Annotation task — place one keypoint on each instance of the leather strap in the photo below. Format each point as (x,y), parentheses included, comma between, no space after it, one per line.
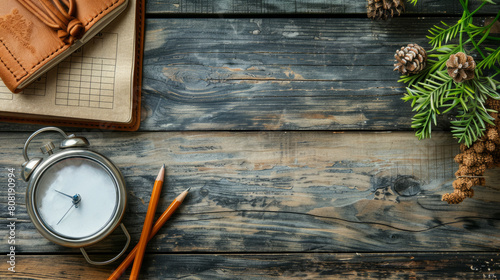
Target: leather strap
(58,15)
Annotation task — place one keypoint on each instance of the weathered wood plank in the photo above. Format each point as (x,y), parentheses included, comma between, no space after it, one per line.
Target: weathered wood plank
(312,7)
(276,74)
(271,266)
(288,192)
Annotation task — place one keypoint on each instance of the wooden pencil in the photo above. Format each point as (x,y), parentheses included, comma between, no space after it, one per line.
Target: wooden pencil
(159,223)
(148,222)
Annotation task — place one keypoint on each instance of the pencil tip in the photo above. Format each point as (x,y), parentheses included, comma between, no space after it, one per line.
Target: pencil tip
(161,174)
(183,195)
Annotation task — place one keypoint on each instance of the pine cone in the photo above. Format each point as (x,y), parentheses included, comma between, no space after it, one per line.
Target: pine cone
(410,59)
(461,67)
(384,9)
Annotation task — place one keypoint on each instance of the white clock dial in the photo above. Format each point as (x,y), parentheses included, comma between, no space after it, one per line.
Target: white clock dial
(76,197)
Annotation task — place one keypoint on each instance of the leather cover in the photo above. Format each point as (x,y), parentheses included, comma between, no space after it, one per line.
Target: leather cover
(134,124)
(33,32)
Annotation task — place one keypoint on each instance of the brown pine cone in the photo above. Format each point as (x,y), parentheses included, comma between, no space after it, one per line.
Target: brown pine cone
(479,147)
(410,59)
(461,67)
(384,9)
(490,146)
(492,134)
(454,197)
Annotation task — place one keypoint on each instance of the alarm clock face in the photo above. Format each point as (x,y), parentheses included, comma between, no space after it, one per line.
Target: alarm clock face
(76,197)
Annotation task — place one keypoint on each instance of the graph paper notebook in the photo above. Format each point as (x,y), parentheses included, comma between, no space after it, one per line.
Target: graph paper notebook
(35,35)
(97,86)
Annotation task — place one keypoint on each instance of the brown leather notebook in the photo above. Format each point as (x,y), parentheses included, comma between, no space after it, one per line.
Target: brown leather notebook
(97,86)
(35,35)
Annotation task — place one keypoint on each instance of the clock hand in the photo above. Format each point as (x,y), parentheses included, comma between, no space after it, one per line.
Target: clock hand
(76,200)
(64,194)
(66,213)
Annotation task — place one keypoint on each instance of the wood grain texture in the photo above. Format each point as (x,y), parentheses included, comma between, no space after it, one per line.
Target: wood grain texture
(287,192)
(272,266)
(311,7)
(286,119)
(276,74)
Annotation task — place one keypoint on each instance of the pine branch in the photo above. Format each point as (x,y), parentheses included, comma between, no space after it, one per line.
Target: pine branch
(471,125)
(441,34)
(422,122)
(433,91)
(491,59)
(444,35)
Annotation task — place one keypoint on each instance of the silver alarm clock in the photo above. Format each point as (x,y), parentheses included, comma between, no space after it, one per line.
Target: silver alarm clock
(75,197)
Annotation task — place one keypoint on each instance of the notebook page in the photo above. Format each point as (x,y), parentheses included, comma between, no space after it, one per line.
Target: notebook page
(94,83)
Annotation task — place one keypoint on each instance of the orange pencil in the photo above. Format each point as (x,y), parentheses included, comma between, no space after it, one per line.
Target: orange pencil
(148,222)
(159,223)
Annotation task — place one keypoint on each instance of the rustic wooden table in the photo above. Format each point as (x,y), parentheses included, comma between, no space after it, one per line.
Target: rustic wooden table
(286,119)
